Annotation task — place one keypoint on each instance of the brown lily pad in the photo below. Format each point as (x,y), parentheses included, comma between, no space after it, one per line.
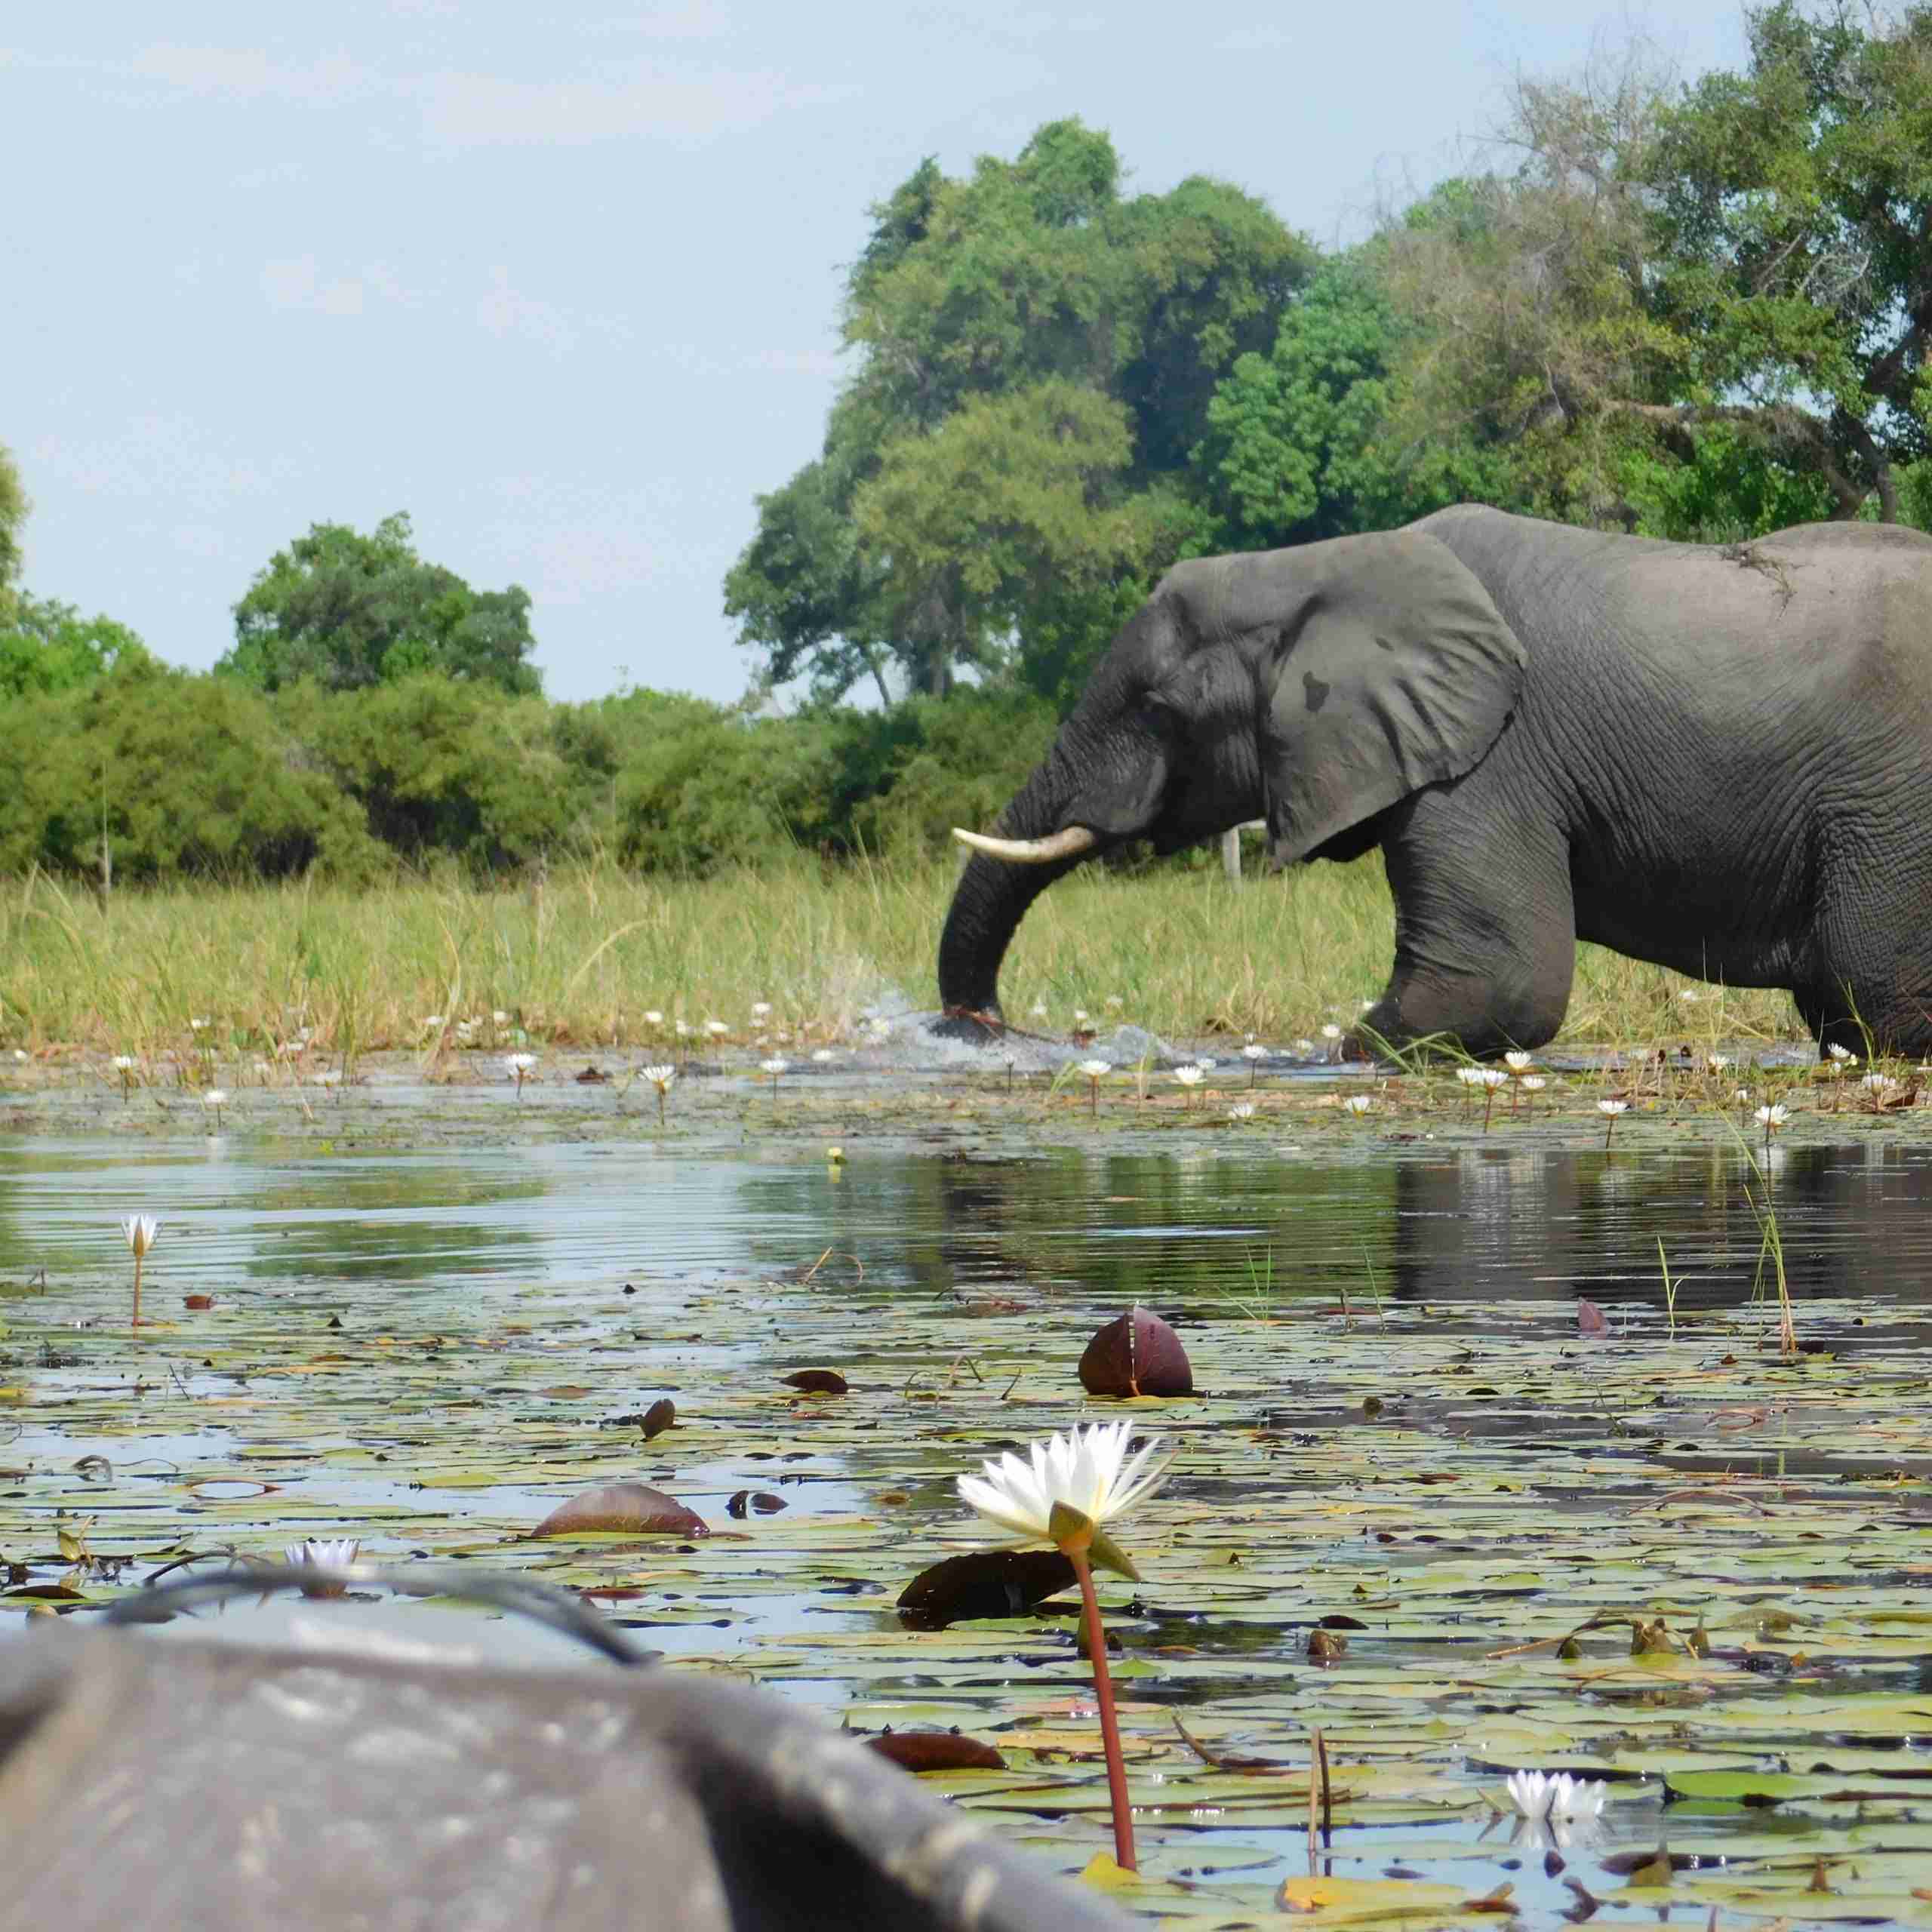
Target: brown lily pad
(661,1414)
(633,1509)
(1136,1354)
(762,1500)
(936,1751)
(818,1381)
(983,1583)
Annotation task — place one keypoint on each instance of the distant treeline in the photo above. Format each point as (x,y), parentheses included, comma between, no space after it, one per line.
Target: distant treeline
(182,773)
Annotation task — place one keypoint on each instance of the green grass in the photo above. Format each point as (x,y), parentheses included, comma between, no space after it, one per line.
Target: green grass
(580,958)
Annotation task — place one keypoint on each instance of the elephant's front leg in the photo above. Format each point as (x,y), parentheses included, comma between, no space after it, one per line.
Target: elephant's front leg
(1485,926)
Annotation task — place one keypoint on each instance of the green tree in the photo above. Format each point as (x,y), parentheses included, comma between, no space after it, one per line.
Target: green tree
(1035,355)
(1700,312)
(350,610)
(12,514)
(1794,206)
(48,646)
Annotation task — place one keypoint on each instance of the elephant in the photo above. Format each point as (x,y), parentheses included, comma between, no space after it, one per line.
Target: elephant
(1716,758)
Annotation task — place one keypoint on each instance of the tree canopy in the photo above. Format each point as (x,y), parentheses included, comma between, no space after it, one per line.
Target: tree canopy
(46,645)
(1035,358)
(12,514)
(350,610)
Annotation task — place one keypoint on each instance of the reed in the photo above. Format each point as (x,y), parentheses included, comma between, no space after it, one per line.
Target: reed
(582,956)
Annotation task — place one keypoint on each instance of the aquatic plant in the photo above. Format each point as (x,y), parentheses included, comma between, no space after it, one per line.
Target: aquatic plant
(520,1065)
(1066,1494)
(322,1553)
(142,1231)
(214,1100)
(1610,1109)
(661,1078)
(1189,1077)
(1096,1071)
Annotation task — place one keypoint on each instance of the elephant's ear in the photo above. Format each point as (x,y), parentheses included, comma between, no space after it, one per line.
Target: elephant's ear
(1390,669)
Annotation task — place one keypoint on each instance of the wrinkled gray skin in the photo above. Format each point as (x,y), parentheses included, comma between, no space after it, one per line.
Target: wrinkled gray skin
(1718,758)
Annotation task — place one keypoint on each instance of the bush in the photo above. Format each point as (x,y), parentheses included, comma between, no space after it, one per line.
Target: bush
(185,774)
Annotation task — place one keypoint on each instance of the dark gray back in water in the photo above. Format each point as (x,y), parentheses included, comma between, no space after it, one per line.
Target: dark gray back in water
(185,1783)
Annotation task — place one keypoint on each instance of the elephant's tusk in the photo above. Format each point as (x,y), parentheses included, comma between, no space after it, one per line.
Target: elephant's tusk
(1067,844)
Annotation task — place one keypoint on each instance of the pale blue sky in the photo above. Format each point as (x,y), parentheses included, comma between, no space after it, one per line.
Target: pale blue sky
(562,281)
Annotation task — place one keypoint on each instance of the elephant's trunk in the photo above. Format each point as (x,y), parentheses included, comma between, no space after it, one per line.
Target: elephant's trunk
(991,897)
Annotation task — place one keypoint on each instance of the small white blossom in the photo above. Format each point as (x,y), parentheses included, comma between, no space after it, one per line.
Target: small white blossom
(661,1077)
(1241,1110)
(1188,1076)
(1096,1069)
(1253,1052)
(716,1029)
(1330,1030)
(1613,1108)
(774,1067)
(1516,1061)
(823,1056)
(141,1231)
(1532,1083)
(1772,1118)
(1359,1103)
(652,1017)
(1491,1077)
(1304,1048)
(1718,1062)
(1844,1056)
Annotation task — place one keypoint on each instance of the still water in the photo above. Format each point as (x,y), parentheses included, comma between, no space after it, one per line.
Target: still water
(1397,1434)
(1185,1231)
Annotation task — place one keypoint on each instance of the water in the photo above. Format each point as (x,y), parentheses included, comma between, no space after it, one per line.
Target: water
(429,1345)
(1186,1231)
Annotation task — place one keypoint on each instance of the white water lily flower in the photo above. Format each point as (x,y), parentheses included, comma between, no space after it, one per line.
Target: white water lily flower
(1204,1062)
(332,1550)
(774,1067)
(1491,1077)
(1251,1051)
(125,1063)
(1241,1110)
(141,1231)
(1772,1118)
(1086,1471)
(322,1553)
(661,1077)
(823,1056)
(1331,1032)
(1844,1056)
(1469,1075)
(1533,1083)
(1096,1069)
(1718,1062)
(1613,1108)
(716,1029)
(1359,1103)
(1188,1076)
(1878,1083)
(1516,1061)
(652,1017)
(1530,1792)
(1304,1048)
(1575,1801)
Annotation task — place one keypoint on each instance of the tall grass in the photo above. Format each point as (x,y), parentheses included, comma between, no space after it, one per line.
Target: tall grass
(582,956)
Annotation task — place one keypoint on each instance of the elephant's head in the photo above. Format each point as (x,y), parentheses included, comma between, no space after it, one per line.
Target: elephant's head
(1313,688)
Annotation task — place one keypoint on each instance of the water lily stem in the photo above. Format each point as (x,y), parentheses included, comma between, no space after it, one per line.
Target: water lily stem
(1104,1692)
(138,1291)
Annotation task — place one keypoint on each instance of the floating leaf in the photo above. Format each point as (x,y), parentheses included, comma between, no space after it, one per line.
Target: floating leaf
(631,1508)
(983,1583)
(817,1381)
(661,1414)
(1136,1353)
(936,1751)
